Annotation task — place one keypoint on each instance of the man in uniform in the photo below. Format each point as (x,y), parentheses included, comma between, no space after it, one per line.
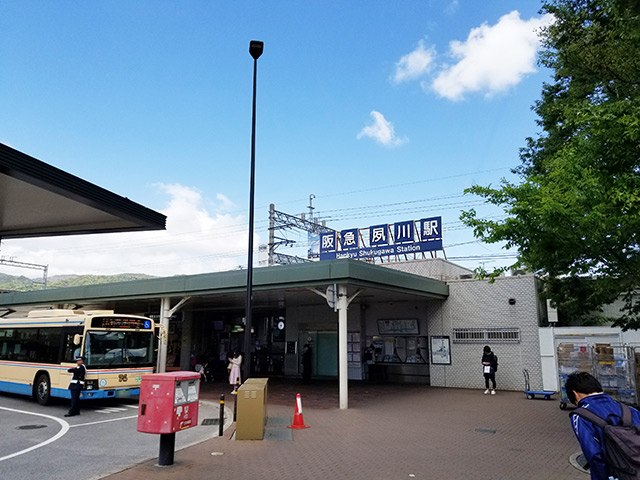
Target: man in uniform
(76,385)
(584,390)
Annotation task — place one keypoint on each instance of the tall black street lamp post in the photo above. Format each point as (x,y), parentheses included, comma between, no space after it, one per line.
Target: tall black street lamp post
(255,49)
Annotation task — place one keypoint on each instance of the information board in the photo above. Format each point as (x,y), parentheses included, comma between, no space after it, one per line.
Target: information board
(121,322)
(404,326)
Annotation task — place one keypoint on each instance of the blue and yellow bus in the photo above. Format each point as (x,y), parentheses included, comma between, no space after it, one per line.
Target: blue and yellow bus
(37,351)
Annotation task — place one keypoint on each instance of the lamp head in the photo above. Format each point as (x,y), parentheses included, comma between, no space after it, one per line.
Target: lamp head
(255,48)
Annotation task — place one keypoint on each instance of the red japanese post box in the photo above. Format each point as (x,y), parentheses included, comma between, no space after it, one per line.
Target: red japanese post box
(168,402)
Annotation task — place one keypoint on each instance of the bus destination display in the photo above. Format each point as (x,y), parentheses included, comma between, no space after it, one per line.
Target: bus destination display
(121,322)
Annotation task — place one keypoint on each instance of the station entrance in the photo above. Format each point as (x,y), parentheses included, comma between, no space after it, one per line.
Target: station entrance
(210,337)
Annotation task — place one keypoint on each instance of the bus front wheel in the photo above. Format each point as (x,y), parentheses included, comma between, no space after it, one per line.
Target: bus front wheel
(42,389)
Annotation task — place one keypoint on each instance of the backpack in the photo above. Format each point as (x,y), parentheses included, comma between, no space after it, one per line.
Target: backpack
(621,442)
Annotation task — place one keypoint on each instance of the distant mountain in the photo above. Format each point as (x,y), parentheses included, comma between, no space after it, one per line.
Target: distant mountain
(24,284)
(17,283)
(81,280)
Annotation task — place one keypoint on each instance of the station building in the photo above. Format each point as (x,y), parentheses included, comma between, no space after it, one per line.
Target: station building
(423,321)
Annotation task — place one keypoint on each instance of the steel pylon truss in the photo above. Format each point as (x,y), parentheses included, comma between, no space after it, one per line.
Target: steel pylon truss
(280,221)
(13,263)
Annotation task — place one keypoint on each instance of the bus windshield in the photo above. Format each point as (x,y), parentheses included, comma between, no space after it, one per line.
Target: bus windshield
(118,349)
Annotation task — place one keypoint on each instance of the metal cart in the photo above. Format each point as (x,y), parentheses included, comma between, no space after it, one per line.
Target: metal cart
(571,358)
(531,394)
(615,368)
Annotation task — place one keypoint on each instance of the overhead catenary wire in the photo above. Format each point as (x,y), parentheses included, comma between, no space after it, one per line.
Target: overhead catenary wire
(165,239)
(239,228)
(404,184)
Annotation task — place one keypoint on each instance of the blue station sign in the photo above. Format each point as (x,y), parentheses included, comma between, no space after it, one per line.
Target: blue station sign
(401,238)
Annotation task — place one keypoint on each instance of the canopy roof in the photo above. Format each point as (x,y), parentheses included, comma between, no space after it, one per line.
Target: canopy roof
(273,287)
(38,200)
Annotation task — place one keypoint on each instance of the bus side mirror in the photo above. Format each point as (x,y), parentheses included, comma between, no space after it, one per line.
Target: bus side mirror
(77,339)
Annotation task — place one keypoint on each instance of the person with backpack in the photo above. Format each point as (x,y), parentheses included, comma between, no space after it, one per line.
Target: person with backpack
(607,430)
(489,367)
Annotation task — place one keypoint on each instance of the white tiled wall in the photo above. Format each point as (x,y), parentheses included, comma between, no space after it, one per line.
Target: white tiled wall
(480,304)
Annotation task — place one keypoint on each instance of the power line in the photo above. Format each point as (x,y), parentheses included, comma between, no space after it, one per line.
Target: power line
(239,228)
(408,202)
(416,182)
(352,213)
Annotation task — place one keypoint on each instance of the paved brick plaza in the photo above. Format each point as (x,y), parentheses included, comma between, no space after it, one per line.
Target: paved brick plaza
(389,432)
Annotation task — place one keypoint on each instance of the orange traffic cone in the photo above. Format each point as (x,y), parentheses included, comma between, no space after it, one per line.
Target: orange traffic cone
(298,421)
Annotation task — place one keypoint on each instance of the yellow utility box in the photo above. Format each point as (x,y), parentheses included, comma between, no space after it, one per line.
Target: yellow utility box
(260,381)
(252,409)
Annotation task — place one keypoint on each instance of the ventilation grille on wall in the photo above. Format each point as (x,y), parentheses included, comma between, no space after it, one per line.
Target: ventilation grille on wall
(486,335)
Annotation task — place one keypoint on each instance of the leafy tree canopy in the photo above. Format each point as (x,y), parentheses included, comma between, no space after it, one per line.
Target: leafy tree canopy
(574,218)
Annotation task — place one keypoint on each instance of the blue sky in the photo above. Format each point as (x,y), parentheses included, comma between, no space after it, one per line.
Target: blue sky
(385,111)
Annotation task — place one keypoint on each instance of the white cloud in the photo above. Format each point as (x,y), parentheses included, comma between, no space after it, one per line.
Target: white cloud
(451,7)
(197,240)
(224,200)
(381,131)
(415,64)
(492,59)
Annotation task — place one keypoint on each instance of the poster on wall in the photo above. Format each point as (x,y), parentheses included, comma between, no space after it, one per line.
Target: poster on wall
(440,351)
(404,326)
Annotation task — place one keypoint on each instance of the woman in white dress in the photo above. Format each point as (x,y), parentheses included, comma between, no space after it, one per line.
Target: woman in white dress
(234,370)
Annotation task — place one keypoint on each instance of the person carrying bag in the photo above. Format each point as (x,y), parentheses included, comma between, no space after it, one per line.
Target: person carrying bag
(489,368)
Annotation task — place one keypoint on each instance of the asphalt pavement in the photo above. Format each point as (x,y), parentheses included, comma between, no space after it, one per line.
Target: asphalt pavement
(39,442)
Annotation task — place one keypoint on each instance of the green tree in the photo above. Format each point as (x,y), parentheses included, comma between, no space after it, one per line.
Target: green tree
(574,216)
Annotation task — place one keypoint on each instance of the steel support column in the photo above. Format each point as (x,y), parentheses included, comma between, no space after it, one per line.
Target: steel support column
(343,364)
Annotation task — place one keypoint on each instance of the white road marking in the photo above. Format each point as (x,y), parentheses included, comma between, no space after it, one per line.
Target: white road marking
(102,421)
(63,430)
(109,410)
